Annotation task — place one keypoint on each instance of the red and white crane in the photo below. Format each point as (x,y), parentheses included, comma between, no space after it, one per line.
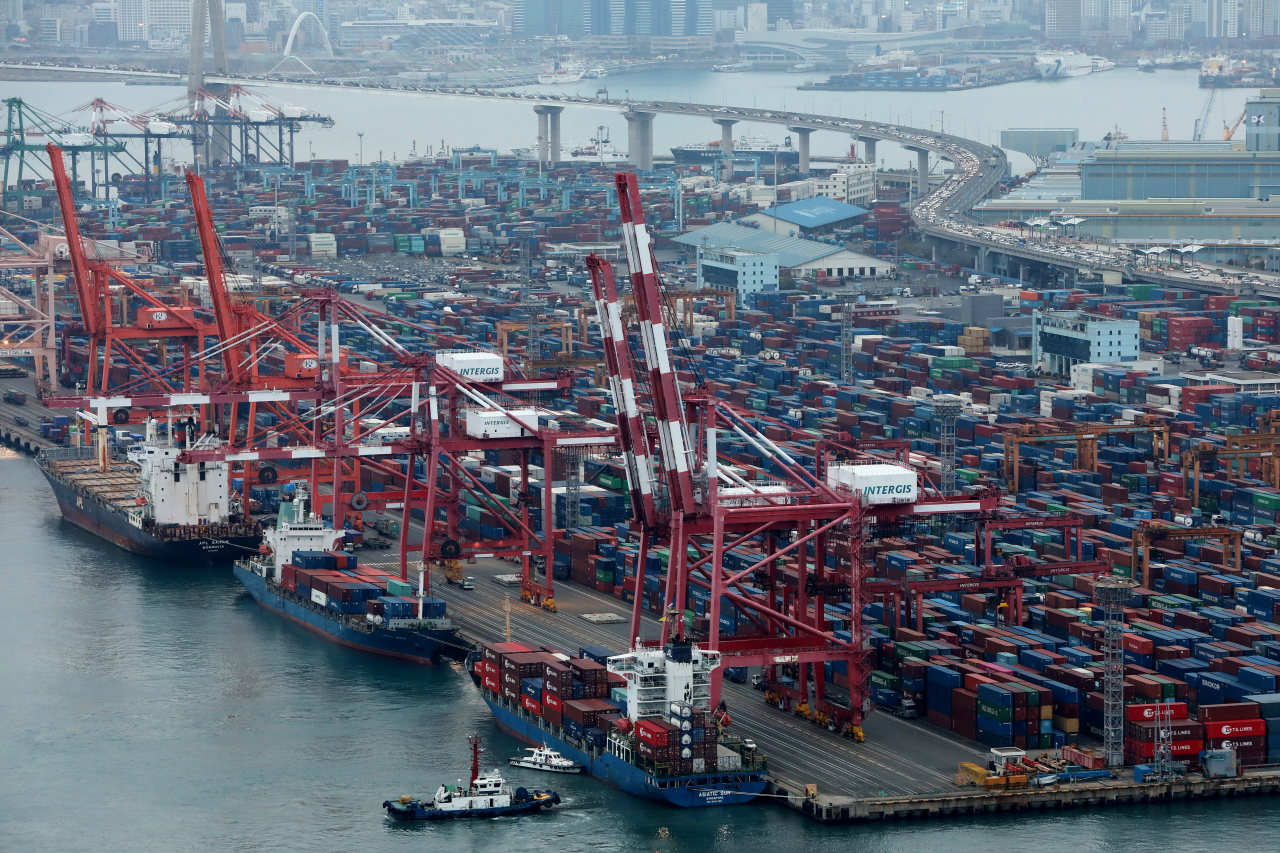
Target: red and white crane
(775,533)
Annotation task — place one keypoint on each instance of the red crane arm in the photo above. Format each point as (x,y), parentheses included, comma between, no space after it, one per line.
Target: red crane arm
(75,244)
(232,356)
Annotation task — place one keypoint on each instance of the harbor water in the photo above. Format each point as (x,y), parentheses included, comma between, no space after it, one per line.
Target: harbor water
(156,707)
(396,122)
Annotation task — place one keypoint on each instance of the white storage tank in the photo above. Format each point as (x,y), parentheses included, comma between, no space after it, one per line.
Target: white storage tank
(879,484)
(489,423)
(477,366)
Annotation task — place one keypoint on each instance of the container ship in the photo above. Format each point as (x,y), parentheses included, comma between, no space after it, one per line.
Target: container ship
(652,735)
(708,153)
(299,576)
(149,503)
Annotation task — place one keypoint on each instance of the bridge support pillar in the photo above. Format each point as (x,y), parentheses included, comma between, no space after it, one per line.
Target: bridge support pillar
(980,259)
(726,144)
(803,134)
(869,146)
(922,173)
(640,139)
(548,134)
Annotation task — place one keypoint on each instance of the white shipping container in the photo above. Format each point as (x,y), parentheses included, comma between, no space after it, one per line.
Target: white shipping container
(319,598)
(879,484)
(487,423)
(452,241)
(478,366)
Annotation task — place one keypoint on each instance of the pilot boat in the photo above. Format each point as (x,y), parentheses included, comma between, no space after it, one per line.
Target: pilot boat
(545,758)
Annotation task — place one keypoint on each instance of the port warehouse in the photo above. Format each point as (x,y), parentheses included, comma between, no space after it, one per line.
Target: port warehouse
(898,361)
(1163,193)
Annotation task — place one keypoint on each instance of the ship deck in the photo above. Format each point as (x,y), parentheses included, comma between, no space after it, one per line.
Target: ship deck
(900,757)
(120,485)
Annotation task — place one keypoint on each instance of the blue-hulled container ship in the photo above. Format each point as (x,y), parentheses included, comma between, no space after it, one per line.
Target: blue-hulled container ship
(652,737)
(299,576)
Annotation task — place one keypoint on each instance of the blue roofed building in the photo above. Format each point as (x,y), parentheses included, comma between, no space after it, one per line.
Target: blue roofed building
(808,217)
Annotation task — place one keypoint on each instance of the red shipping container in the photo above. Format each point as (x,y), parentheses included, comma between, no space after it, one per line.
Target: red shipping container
(1180,748)
(491,683)
(1232,711)
(1137,713)
(551,700)
(1244,745)
(1140,645)
(1236,729)
(530,704)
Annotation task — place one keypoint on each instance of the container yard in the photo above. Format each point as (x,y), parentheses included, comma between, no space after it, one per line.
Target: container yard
(874,535)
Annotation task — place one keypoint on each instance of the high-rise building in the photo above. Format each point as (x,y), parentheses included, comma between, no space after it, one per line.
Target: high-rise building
(131,21)
(1062,20)
(168,20)
(1120,17)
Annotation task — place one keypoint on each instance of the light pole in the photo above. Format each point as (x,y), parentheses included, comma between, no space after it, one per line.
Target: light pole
(361,135)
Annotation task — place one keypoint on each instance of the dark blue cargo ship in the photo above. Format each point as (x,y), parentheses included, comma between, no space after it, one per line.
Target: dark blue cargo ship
(361,608)
(408,638)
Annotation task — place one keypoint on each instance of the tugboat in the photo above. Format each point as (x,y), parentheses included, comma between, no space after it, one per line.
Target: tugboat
(486,796)
(545,758)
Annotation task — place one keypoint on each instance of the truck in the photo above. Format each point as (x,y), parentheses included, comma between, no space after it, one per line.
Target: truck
(736,674)
(976,280)
(15,397)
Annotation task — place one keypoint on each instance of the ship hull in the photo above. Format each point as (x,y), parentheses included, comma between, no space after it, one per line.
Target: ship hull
(713,788)
(416,646)
(115,527)
(711,156)
(417,812)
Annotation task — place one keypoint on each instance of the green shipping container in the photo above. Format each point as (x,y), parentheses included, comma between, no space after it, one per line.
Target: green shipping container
(1266,500)
(1004,715)
(884,680)
(398,587)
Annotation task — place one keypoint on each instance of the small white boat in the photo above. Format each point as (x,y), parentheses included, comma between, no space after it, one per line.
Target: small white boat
(543,758)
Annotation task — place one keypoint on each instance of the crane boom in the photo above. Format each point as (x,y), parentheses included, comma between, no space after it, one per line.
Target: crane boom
(232,356)
(1230,131)
(668,408)
(75,244)
(1202,123)
(634,440)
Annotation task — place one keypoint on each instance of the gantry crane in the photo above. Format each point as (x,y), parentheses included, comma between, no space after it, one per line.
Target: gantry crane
(708,514)
(1086,439)
(105,295)
(1146,534)
(1194,459)
(1004,579)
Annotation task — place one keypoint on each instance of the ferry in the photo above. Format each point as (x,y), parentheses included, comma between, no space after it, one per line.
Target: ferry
(659,740)
(1063,63)
(768,152)
(488,795)
(595,74)
(569,73)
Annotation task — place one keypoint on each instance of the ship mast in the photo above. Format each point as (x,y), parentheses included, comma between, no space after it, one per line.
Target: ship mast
(475,741)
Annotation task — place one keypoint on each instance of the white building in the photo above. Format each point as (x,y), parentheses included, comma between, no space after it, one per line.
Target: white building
(742,272)
(797,257)
(852,183)
(1062,339)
